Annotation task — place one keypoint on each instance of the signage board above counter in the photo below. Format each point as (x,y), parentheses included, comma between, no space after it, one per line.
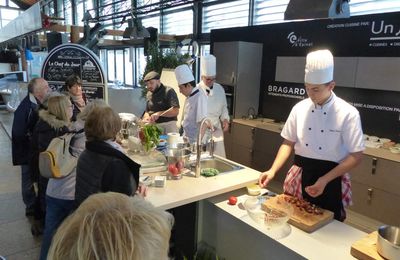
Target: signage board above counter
(366,50)
(68,59)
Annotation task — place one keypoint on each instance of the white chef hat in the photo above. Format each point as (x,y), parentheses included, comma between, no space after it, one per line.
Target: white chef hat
(319,67)
(208,66)
(183,74)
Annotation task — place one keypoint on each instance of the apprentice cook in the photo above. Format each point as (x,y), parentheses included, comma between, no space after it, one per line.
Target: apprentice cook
(195,108)
(217,110)
(162,104)
(325,133)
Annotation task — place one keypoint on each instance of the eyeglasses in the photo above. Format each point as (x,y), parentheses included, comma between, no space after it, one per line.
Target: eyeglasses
(209,79)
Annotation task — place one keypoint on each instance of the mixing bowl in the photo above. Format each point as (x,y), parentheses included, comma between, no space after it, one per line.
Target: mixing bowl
(388,243)
(268,216)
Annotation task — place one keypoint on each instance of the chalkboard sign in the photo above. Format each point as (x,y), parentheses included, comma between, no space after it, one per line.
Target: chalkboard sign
(67,59)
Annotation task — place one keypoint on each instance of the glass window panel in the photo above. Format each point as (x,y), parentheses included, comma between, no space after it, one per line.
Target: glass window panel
(225,15)
(146,2)
(11,4)
(151,22)
(3,2)
(360,7)
(80,10)
(110,65)
(119,59)
(8,14)
(178,23)
(271,11)
(204,50)
(68,12)
(128,67)
(140,64)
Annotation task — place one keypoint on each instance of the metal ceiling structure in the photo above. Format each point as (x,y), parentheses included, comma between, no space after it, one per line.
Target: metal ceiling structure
(119,11)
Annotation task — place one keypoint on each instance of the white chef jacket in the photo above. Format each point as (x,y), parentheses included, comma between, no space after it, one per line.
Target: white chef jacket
(217,111)
(194,111)
(329,132)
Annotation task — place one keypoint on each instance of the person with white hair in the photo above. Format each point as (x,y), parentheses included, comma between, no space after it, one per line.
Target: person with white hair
(113,226)
(217,109)
(326,135)
(195,108)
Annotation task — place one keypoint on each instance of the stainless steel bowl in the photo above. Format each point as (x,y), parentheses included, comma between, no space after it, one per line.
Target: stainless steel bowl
(177,155)
(388,243)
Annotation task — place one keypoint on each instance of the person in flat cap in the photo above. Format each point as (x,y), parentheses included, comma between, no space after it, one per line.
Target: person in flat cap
(326,135)
(162,104)
(195,108)
(217,109)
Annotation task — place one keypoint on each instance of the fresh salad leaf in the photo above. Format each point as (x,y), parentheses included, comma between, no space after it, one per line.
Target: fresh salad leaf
(209,172)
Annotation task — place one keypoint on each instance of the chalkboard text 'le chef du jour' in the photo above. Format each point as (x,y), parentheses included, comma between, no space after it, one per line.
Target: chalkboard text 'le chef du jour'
(65,64)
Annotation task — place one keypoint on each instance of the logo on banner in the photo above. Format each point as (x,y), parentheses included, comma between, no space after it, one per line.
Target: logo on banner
(298,41)
(384,34)
(286,91)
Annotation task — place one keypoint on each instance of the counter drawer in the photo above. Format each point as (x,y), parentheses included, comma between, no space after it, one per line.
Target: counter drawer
(267,141)
(241,154)
(378,173)
(376,203)
(243,135)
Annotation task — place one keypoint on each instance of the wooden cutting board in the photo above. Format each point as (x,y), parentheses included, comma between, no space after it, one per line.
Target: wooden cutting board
(305,221)
(365,249)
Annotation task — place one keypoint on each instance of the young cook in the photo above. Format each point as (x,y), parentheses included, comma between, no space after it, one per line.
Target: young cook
(325,133)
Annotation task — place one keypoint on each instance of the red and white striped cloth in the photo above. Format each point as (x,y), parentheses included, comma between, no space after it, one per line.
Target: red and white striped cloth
(292,185)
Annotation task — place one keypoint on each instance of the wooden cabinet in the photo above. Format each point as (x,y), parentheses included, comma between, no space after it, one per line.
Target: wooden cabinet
(255,148)
(375,186)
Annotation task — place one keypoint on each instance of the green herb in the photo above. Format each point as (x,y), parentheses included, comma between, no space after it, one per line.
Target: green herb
(209,172)
(151,136)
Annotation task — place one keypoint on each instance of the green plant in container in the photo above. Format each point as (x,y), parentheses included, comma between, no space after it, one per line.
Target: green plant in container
(150,136)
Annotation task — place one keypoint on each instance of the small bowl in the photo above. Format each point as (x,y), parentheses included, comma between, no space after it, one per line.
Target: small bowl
(266,216)
(253,189)
(388,242)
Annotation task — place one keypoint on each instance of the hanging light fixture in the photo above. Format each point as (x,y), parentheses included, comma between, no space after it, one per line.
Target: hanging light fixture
(135,30)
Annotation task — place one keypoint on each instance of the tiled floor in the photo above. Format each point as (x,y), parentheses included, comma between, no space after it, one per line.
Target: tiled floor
(16,240)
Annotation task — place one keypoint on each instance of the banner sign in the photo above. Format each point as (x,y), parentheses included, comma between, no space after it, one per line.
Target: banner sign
(68,59)
(367,61)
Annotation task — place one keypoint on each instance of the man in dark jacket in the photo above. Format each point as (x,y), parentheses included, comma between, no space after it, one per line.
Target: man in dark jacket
(25,118)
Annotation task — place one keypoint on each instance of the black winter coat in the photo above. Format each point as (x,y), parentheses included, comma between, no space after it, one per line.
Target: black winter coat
(103,168)
(25,119)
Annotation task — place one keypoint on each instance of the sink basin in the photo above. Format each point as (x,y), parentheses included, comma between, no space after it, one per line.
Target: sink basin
(221,165)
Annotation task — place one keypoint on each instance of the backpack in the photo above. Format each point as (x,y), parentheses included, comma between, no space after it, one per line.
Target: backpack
(57,161)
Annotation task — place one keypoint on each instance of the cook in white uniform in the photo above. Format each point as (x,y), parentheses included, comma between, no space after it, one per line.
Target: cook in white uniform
(217,108)
(195,108)
(325,133)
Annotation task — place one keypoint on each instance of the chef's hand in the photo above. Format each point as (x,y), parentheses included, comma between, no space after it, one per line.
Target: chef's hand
(265,178)
(225,125)
(142,190)
(316,189)
(154,117)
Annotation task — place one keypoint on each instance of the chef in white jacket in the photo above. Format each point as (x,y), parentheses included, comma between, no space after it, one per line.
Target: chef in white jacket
(217,109)
(325,133)
(195,108)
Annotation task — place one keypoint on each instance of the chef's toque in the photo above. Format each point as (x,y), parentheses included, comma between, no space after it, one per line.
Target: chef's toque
(183,74)
(319,67)
(208,66)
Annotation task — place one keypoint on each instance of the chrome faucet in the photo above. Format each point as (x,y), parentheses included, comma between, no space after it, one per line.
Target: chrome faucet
(199,144)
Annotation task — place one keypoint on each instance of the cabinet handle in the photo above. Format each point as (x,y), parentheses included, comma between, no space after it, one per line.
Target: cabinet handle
(374,163)
(369,194)
(233,77)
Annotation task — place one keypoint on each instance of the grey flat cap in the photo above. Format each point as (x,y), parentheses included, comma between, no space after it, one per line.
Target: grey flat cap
(151,75)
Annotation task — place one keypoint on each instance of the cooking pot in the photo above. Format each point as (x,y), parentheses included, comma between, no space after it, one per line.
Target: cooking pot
(388,243)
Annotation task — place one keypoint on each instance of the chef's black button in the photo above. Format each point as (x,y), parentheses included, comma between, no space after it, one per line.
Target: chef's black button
(322,131)
(312,111)
(320,148)
(309,128)
(324,113)
(306,144)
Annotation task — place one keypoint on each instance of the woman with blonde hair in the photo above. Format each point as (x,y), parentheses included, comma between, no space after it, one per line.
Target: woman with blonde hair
(103,165)
(60,193)
(53,122)
(113,226)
